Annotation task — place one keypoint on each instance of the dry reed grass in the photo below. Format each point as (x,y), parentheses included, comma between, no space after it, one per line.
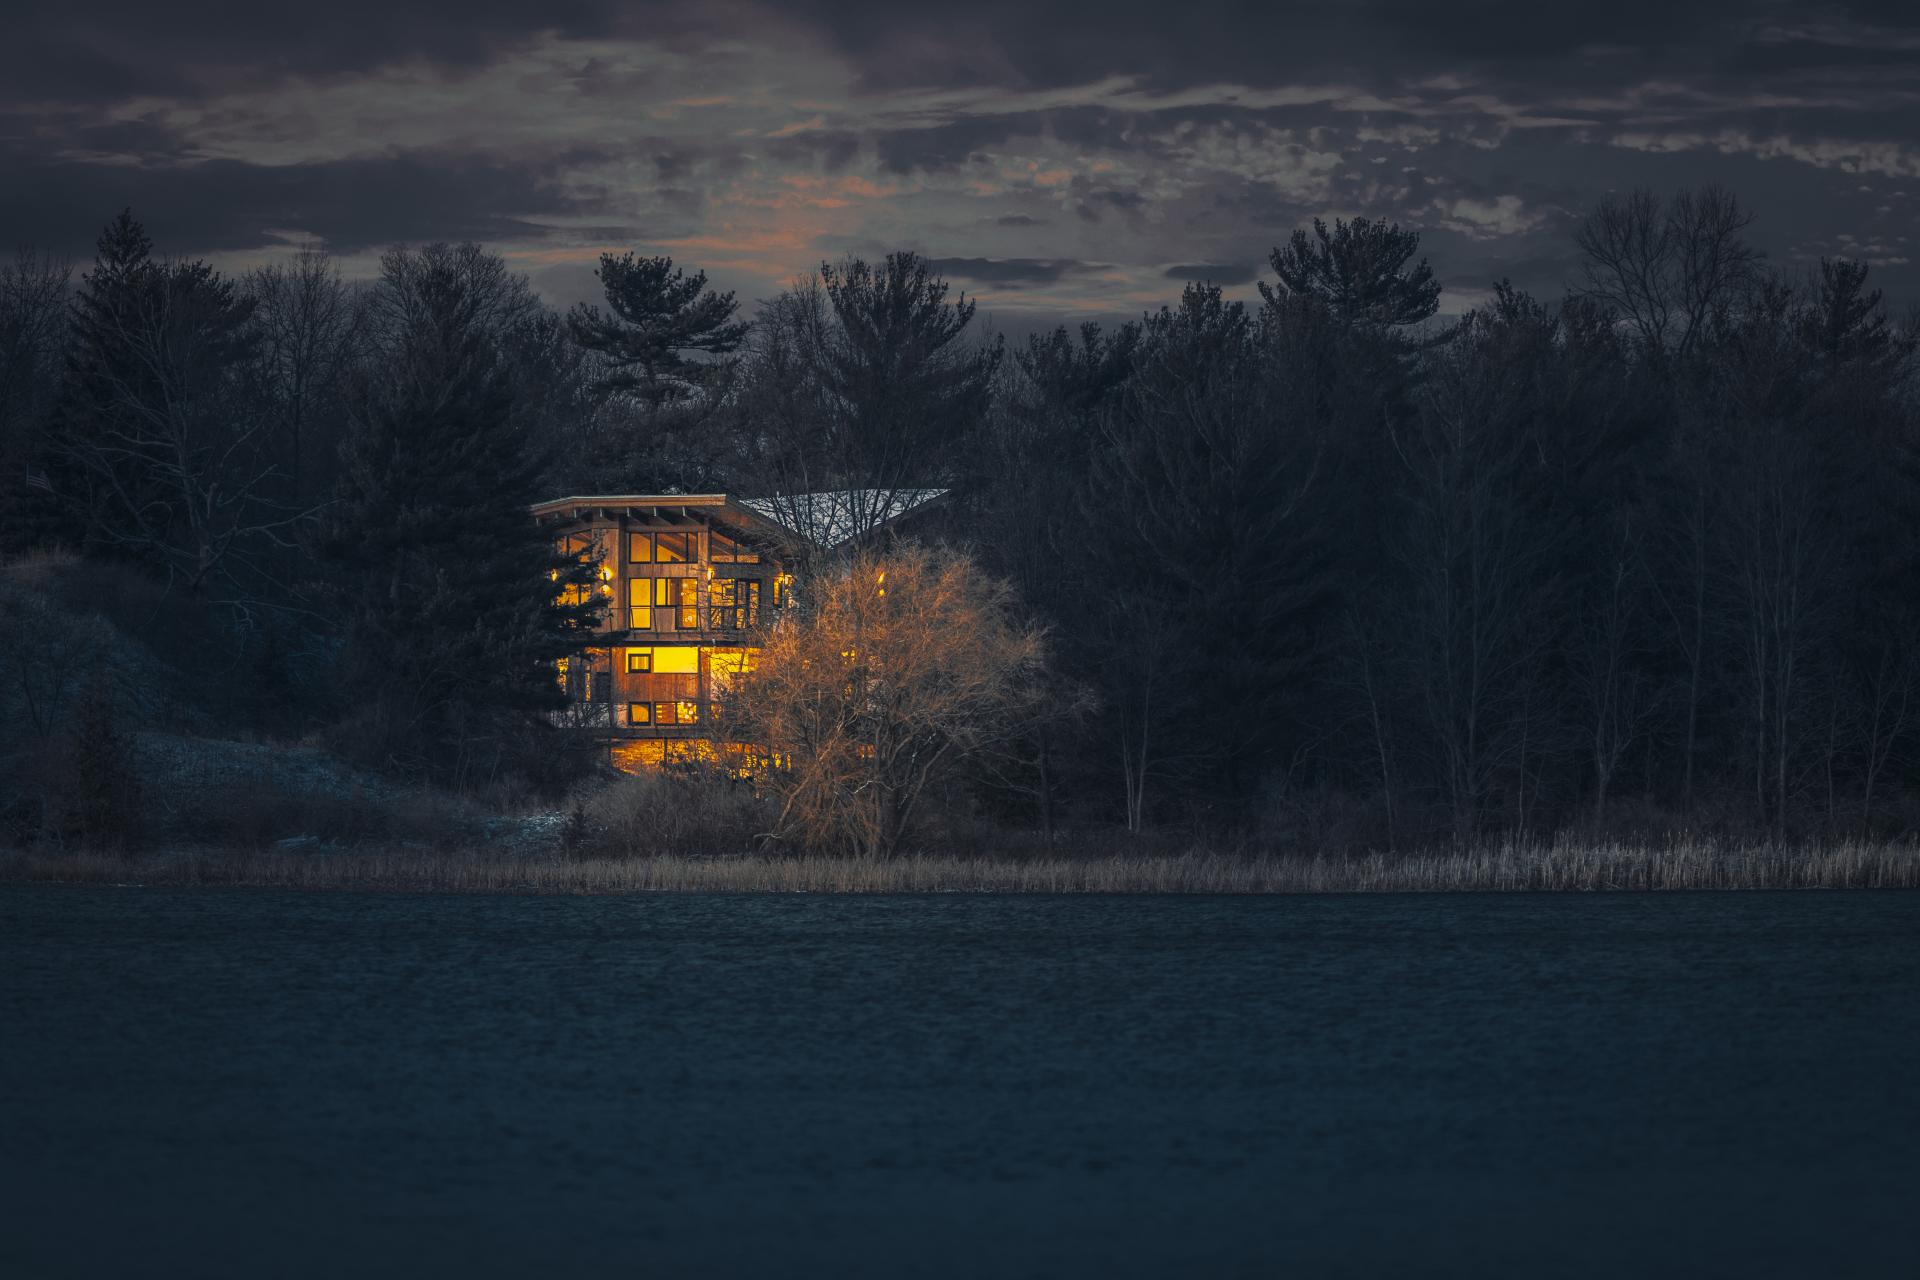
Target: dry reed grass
(1504,868)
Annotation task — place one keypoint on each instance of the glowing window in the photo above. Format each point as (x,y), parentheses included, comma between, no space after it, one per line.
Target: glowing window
(672,548)
(639,548)
(639,713)
(676,660)
(639,660)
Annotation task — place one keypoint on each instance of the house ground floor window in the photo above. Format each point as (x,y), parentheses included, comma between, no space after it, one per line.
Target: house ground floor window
(679,712)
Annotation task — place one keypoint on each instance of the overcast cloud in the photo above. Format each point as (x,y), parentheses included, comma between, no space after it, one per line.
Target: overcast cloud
(1055,165)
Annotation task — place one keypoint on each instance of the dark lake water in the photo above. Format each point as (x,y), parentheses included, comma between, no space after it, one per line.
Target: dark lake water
(248,1083)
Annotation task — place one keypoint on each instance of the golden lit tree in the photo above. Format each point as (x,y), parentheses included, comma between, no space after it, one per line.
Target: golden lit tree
(893,672)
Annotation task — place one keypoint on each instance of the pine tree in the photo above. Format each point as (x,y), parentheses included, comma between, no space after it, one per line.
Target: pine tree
(451,593)
(1359,271)
(897,392)
(105,308)
(660,314)
(153,455)
(1204,512)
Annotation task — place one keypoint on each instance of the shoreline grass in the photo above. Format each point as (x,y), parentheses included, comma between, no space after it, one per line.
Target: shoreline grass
(1503,868)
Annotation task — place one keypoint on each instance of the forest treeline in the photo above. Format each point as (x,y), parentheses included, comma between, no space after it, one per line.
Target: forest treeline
(1327,567)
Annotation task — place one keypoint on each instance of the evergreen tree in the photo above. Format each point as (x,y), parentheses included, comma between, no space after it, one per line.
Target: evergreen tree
(106,308)
(1204,512)
(34,291)
(154,454)
(903,392)
(1359,272)
(456,604)
(662,318)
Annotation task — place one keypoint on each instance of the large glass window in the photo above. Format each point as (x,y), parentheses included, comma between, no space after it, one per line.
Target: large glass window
(676,660)
(584,545)
(639,548)
(724,550)
(639,604)
(672,548)
(683,711)
(639,713)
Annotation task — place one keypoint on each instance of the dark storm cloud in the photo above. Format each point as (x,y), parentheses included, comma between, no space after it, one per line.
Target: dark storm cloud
(828,149)
(115,48)
(1012,273)
(224,205)
(1000,41)
(1213,272)
(949,145)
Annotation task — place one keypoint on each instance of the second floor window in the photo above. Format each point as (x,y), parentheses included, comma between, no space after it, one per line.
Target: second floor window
(724,550)
(733,604)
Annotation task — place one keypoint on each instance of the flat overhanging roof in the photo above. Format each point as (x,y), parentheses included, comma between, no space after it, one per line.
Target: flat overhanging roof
(715,508)
(825,519)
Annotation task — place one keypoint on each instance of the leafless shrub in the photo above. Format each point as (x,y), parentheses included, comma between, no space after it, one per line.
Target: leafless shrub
(658,814)
(902,666)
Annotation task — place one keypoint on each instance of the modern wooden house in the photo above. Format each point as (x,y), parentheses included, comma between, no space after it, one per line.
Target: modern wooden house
(688,579)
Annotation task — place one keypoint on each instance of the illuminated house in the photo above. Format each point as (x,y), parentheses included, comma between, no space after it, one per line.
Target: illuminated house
(688,579)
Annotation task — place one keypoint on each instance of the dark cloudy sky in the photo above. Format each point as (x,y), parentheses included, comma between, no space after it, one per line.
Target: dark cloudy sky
(1057,159)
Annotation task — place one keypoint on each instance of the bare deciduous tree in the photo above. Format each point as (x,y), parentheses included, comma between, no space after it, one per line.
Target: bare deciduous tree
(893,672)
(1669,269)
(33,305)
(309,323)
(1477,568)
